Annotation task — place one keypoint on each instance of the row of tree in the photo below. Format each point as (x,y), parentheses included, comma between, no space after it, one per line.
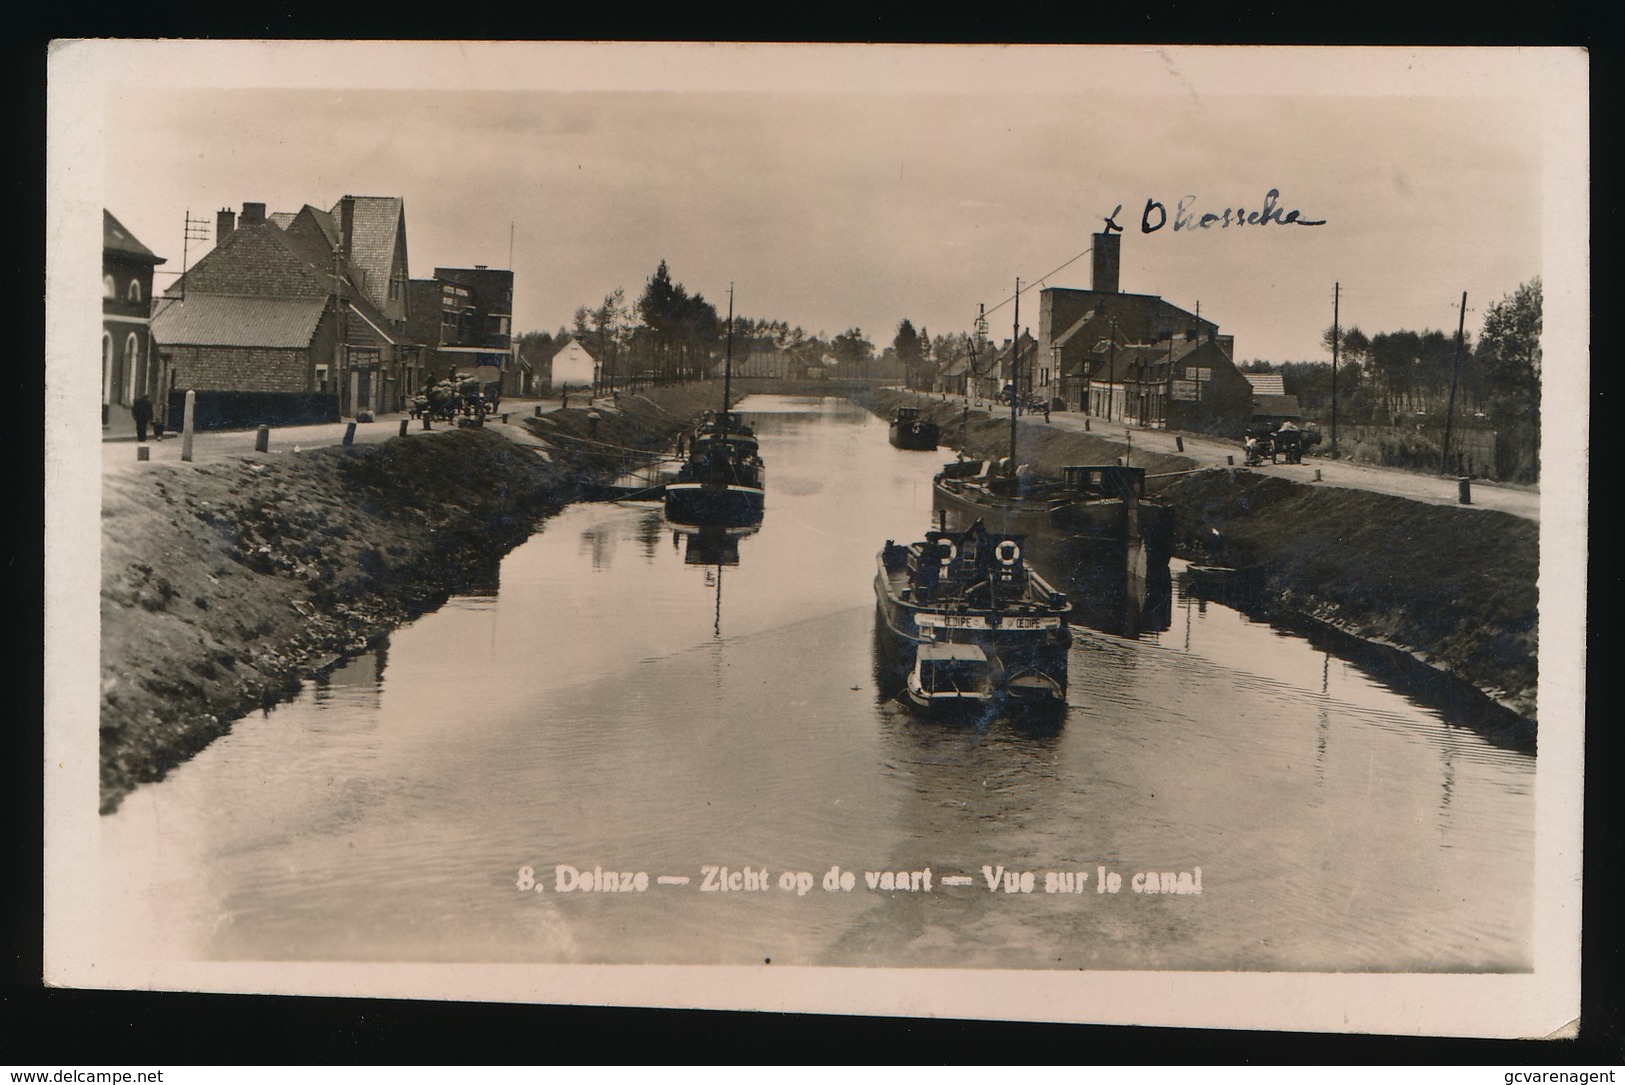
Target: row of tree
(1405,376)
(1407,372)
(669,335)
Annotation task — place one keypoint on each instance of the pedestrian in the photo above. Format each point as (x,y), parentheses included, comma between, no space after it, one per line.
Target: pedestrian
(1046,410)
(141,411)
(564,400)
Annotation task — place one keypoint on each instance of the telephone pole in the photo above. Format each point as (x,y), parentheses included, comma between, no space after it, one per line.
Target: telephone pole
(1015,373)
(196,230)
(1336,290)
(1450,406)
(1111,373)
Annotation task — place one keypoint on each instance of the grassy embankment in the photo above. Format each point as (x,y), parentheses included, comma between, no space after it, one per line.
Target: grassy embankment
(1451,588)
(225,583)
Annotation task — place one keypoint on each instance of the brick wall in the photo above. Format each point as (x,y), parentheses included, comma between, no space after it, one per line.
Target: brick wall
(241,369)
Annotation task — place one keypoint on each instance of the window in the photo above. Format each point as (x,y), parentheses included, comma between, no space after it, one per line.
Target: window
(132,363)
(109,288)
(135,290)
(321,378)
(107,364)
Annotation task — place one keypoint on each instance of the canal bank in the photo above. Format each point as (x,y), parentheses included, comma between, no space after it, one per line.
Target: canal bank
(1452,589)
(224,583)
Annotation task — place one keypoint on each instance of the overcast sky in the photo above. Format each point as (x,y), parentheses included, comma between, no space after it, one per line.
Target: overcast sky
(846,186)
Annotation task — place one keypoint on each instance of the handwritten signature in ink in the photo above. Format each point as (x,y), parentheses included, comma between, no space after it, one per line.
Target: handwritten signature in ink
(1185,217)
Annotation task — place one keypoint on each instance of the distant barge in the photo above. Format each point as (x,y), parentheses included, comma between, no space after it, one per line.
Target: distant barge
(910,431)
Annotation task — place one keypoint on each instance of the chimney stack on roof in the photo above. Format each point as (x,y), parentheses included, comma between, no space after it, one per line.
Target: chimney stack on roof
(225,221)
(1108,257)
(253,214)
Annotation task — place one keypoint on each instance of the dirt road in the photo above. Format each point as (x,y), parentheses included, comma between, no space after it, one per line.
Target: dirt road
(119,456)
(1523,501)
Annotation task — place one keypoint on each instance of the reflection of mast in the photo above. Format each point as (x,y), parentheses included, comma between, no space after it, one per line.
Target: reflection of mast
(717,625)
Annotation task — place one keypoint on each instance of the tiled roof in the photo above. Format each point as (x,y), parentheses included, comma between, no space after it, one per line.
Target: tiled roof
(115,238)
(218,320)
(260,260)
(280,219)
(367,325)
(373,228)
(1266,384)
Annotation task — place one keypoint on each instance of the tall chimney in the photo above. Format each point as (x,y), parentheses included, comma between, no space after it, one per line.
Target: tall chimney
(253,214)
(225,221)
(1108,258)
(346,224)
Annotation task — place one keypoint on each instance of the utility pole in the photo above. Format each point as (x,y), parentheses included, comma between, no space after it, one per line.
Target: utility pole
(1168,400)
(1015,374)
(195,230)
(1336,291)
(1455,369)
(1111,373)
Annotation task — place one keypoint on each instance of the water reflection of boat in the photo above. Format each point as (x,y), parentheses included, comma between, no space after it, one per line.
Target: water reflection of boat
(970,626)
(712,544)
(723,479)
(909,430)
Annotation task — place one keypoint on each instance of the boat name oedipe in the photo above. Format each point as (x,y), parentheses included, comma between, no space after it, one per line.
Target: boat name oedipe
(975,621)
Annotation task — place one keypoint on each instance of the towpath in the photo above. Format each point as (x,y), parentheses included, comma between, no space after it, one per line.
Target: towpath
(1208,451)
(119,453)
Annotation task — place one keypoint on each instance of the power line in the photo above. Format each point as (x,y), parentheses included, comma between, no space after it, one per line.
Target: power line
(1040,280)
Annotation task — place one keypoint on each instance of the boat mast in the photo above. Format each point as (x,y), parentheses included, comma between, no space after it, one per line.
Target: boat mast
(728,363)
(1015,373)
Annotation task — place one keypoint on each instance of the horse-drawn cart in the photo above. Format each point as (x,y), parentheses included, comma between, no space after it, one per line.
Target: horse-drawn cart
(462,398)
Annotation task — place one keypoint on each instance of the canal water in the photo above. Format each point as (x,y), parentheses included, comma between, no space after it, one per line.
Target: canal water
(629,699)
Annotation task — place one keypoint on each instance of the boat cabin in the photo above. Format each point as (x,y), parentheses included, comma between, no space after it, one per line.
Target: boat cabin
(952,672)
(976,567)
(905,414)
(1110,481)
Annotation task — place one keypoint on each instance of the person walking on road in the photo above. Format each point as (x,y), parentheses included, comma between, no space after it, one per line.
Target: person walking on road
(141,411)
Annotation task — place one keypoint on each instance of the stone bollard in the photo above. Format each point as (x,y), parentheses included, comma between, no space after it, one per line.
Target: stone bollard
(1179,443)
(186,425)
(1464,487)
(403,427)
(426,423)
(262,439)
(1317,474)
(143,453)
(504,420)
(1086,425)
(1230,461)
(349,434)
(538,411)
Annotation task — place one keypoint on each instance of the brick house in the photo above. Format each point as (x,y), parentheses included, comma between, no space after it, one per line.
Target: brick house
(295,317)
(1184,384)
(1136,357)
(129,366)
(464,319)
(1004,369)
